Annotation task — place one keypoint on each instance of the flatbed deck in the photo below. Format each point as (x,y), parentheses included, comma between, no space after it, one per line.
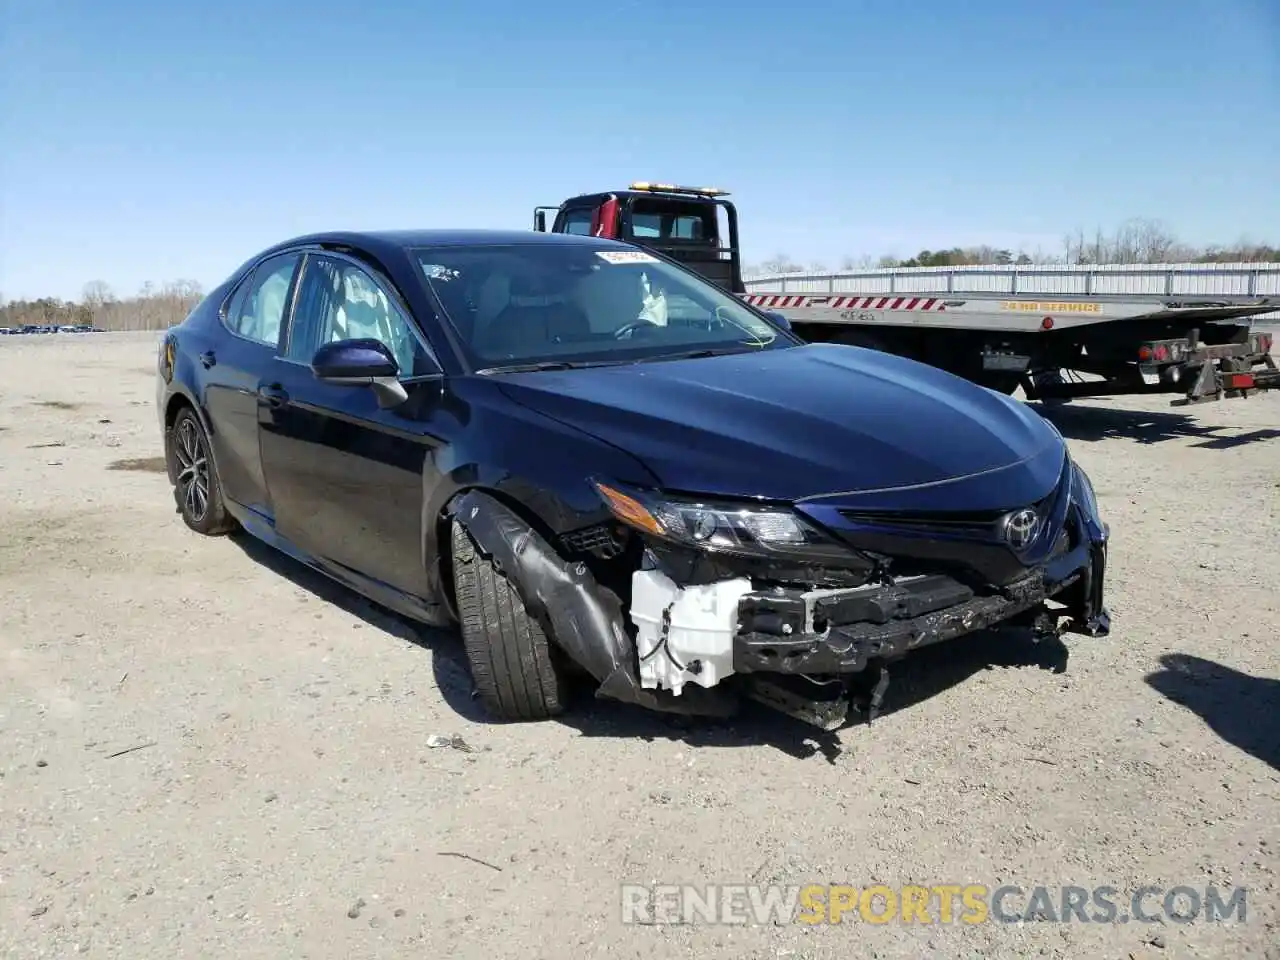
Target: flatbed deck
(999,312)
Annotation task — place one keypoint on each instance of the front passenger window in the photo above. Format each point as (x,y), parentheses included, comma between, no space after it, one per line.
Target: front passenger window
(337,300)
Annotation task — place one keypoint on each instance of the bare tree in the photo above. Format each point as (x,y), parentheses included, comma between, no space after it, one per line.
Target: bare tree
(152,309)
(851,264)
(1153,242)
(1074,248)
(780,263)
(96,294)
(184,290)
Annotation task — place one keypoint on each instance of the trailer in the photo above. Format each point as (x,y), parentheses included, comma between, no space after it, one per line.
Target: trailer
(1196,347)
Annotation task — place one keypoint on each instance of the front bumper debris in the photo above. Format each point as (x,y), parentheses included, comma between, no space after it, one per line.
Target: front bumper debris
(822,655)
(843,631)
(864,630)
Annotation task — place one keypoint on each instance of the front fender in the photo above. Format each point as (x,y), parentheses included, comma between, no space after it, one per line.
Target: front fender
(584,619)
(537,466)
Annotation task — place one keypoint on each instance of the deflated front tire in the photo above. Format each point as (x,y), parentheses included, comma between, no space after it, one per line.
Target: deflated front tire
(511,661)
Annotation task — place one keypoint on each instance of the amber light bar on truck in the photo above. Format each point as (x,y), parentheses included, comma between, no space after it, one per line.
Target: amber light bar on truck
(647,187)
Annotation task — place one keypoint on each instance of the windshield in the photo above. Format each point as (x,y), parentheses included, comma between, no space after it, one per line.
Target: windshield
(517,304)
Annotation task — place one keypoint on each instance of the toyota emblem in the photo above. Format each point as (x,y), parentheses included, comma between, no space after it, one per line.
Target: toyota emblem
(1019,528)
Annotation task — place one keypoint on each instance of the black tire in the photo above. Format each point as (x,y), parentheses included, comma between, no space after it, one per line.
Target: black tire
(512,663)
(1050,378)
(196,489)
(1006,383)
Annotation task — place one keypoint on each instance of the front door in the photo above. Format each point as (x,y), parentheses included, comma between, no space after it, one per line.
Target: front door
(345,478)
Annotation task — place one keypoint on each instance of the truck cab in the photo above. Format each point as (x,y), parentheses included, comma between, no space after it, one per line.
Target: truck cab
(695,226)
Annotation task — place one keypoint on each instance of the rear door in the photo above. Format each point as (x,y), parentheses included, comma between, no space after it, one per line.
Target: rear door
(345,477)
(232,367)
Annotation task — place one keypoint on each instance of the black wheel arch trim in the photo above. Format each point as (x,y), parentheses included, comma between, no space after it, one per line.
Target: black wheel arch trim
(180,395)
(582,618)
(438,514)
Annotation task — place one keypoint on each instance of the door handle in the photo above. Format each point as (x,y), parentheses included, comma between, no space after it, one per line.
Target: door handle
(274,395)
(208,359)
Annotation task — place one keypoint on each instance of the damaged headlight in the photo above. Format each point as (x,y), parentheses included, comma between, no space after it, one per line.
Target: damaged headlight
(742,528)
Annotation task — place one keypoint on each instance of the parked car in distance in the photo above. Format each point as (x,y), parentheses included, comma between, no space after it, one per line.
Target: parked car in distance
(605,468)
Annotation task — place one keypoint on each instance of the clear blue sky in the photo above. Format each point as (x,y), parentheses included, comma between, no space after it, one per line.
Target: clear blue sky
(153,141)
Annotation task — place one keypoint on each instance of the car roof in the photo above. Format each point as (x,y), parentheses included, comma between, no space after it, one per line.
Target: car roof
(380,242)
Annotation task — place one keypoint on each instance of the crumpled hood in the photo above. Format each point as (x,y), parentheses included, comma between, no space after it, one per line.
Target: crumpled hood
(879,431)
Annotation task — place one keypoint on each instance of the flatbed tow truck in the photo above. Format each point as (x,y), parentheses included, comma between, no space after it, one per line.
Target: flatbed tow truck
(1199,347)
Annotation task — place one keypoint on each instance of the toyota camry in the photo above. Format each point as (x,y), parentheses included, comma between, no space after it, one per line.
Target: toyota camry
(611,473)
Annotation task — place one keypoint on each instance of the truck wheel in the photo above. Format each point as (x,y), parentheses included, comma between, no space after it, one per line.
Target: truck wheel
(1050,379)
(510,658)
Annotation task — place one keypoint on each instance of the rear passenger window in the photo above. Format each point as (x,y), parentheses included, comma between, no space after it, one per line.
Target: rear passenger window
(257,310)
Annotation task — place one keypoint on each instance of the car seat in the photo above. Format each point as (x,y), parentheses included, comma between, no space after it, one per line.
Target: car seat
(492,298)
(353,311)
(533,319)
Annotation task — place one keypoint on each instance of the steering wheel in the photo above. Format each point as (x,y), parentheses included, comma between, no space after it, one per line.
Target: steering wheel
(627,329)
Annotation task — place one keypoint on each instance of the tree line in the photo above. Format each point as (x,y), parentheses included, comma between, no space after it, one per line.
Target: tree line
(1135,241)
(154,307)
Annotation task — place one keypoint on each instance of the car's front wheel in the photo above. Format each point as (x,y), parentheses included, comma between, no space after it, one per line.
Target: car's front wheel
(512,664)
(195,481)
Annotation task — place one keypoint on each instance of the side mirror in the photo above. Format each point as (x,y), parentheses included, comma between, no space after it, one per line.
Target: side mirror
(540,221)
(361,363)
(779,319)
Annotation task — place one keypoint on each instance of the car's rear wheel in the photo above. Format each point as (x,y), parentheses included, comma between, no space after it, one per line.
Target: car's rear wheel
(195,481)
(512,663)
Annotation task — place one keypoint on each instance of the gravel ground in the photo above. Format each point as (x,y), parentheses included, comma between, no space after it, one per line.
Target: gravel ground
(208,751)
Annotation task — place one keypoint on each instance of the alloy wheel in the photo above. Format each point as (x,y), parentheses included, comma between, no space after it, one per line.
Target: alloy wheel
(193,470)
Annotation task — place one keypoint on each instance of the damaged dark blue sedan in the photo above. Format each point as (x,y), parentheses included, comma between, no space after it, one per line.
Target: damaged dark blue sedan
(608,470)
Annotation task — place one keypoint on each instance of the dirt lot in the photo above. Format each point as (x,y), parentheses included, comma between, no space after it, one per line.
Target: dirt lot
(280,796)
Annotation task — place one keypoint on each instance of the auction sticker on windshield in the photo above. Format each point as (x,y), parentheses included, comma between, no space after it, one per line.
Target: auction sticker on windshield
(626,256)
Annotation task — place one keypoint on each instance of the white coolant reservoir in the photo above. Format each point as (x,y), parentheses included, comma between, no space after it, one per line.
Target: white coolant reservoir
(685,634)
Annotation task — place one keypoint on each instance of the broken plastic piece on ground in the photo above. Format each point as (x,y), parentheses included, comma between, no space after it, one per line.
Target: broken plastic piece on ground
(456,742)
(1097,625)
(877,693)
(830,714)
(684,634)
